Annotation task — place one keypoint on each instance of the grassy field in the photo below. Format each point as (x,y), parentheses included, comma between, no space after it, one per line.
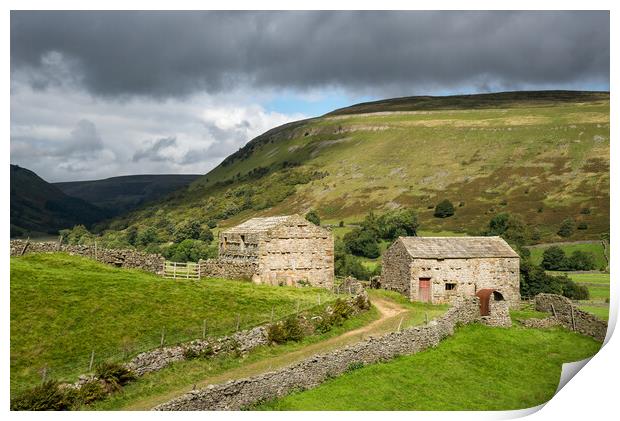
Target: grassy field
(64,307)
(479,368)
(596,248)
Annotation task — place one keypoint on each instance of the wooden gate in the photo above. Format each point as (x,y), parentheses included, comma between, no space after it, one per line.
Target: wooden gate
(424,290)
(177,270)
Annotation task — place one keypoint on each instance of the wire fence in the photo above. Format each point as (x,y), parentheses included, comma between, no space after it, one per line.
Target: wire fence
(166,336)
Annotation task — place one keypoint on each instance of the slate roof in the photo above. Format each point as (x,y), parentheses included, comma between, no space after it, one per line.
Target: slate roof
(260,224)
(457,247)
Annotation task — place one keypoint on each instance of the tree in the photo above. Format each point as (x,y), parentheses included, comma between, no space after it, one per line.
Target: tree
(444,209)
(187,251)
(76,235)
(554,258)
(567,227)
(394,224)
(580,260)
(147,236)
(313,216)
(362,242)
(189,230)
(510,227)
(131,235)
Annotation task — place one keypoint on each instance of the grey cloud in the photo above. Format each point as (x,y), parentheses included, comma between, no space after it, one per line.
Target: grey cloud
(154,151)
(172,54)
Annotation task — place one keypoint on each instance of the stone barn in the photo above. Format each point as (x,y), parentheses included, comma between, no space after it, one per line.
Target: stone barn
(436,269)
(285,250)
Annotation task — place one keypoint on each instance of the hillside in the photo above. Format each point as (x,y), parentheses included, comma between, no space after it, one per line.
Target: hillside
(541,155)
(38,207)
(64,307)
(121,194)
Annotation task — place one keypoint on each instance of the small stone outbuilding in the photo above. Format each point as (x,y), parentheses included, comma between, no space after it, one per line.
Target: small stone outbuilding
(437,269)
(286,250)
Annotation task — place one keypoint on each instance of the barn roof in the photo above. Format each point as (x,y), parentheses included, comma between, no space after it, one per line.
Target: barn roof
(261,224)
(457,247)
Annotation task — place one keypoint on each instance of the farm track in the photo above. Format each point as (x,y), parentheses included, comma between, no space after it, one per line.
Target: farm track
(390,315)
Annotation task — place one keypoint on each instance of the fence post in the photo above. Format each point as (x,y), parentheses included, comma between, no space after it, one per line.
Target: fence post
(399,324)
(553,310)
(174,270)
(161,343)
(95,249)
(572,315)
(204,328)
(92,360)
(59,246)
(25,246)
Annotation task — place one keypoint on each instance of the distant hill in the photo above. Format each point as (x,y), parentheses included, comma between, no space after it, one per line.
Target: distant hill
(121,194)
(541,155)
(38,207)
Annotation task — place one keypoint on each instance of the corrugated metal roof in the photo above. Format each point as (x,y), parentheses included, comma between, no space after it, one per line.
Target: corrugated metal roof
(457,247)
(259,224)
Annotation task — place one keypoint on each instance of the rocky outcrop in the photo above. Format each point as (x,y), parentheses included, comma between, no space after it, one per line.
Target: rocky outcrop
(311,372)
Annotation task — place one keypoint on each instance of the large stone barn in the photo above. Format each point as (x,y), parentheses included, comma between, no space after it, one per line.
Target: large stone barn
(286,250)
(436,269)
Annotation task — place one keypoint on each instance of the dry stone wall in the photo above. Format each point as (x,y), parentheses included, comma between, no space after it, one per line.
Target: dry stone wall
(309,373)
(571,317)
(130,259)
(231,269)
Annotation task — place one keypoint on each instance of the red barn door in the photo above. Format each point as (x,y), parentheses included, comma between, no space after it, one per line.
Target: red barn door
(424,290)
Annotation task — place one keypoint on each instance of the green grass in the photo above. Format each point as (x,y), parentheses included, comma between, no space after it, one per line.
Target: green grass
(595,248)
(144,393)
(64,307)
(479,368)
(418,312)
(602,312)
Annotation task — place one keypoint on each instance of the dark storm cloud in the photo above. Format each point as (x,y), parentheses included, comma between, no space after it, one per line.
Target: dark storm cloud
(172,54)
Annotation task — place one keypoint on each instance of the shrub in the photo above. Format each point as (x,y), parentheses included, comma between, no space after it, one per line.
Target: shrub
(444,209)
(580,260)
(191,353)
(147,236)
(582,226)
(554,258)
(354,366)
(324,324)
(313,216)
(293,329)
(510,227)
(341,224)
(89,392)
(114,374)
(567,227)
(189,230)
(131,235)
(45,397)
(282,332)
(362,303)
(342,308)
(572,290)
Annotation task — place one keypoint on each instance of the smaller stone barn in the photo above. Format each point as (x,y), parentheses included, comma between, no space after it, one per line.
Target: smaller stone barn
(286,250)
(437,269)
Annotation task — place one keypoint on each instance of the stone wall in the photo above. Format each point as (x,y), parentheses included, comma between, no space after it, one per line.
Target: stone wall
(231,269)
(159,358)
(571,317)
(499,314)
(311,372)
(130,259)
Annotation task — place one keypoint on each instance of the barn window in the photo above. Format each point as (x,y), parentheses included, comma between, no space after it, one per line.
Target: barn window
(450,286)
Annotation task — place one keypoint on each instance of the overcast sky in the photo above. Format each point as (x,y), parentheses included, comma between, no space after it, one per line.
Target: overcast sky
(99,94)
